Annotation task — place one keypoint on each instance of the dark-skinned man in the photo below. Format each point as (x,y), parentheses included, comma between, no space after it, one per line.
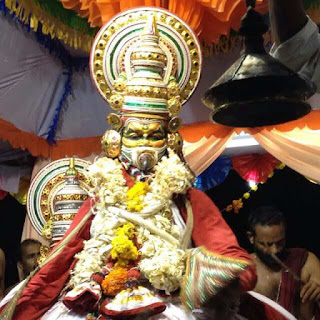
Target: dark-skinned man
(267,234)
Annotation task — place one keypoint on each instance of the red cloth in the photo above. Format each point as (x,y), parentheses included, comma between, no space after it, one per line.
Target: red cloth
(44,288)
(210,230)
(289,295)
(253,309)
(3,194)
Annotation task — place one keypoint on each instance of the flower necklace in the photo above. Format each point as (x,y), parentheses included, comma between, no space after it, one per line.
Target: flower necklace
(162,263)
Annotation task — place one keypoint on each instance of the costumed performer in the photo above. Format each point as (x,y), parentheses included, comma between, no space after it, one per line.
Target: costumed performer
(128,251)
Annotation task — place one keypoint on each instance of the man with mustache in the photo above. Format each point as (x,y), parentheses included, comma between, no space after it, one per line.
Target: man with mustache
(29,255)
(267,234)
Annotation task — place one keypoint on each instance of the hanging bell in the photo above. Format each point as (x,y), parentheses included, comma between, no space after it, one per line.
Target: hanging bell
(258,90)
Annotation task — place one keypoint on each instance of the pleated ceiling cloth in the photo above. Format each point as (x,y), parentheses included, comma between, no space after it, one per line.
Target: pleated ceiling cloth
(208,18)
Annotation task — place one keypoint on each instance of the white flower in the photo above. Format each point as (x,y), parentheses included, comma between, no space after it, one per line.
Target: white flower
(162,263)
(166,268)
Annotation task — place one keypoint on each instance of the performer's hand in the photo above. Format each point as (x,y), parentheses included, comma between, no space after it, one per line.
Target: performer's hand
(310,291)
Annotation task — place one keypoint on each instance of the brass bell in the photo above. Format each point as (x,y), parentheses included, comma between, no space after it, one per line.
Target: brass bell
(258,90)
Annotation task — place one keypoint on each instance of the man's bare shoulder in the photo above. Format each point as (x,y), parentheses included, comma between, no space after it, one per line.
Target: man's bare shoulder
(311,268)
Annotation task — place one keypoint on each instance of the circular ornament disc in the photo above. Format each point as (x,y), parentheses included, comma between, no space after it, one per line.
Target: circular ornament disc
(112,47)
(46,184)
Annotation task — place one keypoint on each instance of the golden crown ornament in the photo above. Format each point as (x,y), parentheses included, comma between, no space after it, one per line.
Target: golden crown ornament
(145,63)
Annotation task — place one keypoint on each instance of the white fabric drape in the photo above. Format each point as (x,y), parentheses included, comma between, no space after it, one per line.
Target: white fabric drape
(299,149)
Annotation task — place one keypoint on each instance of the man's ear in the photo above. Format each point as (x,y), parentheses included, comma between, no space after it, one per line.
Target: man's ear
(20,271)
(250,237)
(19,264)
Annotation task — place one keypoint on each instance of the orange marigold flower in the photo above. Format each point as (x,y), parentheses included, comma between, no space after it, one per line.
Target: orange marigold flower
(115,281)
(237,205)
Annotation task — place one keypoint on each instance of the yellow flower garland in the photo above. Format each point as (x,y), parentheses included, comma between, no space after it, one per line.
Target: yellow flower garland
(123,248)
(135,196)
(162,263)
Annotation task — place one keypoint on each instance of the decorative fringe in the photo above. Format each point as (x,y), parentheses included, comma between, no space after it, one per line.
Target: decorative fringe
(54,47)
(59,51)
(33,16)
(70,18)
(207,273)
(62,103)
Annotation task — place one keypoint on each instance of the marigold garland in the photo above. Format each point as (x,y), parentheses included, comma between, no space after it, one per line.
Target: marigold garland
(123,248)
(126,230)
(135,196)
(161,262)
(236,205)
(115,281)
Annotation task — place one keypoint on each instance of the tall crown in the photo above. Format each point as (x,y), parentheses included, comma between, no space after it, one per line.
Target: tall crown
(146,60)
(146,91)
(67,202)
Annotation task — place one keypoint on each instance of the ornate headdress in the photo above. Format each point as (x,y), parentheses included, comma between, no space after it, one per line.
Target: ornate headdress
(146,63)
(55,195)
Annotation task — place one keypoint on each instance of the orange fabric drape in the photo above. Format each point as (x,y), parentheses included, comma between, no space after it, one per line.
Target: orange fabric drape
(311,120)
(295,143)
(37,146)
(216,137)
(195,131)
(83,147)
(208,18)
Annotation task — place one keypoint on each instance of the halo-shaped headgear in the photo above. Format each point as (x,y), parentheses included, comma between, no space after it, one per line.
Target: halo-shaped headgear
(145,61)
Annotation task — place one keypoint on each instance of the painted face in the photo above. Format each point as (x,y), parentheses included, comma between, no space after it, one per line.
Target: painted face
(144,142)
(267,240)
